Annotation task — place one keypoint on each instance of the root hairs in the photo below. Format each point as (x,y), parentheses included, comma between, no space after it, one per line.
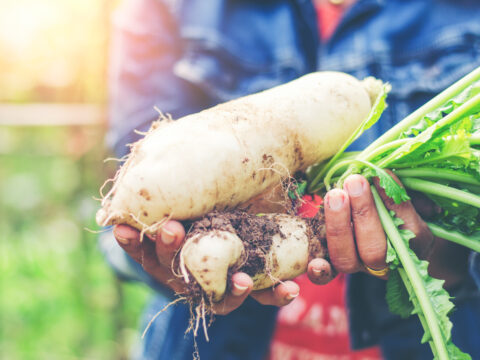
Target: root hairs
(161,311)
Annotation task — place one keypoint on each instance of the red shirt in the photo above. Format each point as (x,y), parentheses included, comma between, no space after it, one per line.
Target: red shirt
(328,15)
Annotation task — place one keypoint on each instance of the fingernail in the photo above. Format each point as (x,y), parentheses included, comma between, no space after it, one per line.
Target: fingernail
(123,240)
(355,186)
(291,296)
(239,290)
(335,200)
(167,237)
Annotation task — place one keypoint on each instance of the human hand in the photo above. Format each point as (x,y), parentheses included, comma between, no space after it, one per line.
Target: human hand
(355,236)
(156,255)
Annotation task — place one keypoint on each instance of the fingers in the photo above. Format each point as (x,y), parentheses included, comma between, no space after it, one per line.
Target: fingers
(355,236)
(241,286)
(425,207)
(320,271)
(169,239)
(129,239)
(422,244)
(369,233)
(280,295)
(144,252)
(340,240)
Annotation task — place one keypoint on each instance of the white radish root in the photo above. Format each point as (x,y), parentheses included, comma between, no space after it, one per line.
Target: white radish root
(269,248)
(209,256)
(218,160)
(224,156)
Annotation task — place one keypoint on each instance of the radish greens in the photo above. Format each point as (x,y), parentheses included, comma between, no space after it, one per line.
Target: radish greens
(436,151)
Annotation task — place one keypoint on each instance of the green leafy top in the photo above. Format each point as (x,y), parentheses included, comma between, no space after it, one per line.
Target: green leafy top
(410,289)
(439,143)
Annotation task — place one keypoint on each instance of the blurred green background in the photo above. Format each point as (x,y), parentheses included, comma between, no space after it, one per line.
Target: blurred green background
(58,298)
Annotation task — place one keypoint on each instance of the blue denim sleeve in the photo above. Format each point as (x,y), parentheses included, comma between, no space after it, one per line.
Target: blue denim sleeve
(148,70)
(125,267)
(144,50)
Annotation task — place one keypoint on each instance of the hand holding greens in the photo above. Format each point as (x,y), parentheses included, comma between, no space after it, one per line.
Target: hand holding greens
(434,150)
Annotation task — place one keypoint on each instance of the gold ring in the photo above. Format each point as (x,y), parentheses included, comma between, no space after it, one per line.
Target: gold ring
(379,273)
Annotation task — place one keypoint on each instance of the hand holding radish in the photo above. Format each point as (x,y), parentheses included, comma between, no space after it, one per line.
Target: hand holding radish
(248,146)
(254,144)
(354,234)
(156,255)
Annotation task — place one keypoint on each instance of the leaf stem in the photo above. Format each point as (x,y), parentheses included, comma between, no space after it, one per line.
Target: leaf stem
(384,148)
(438,173)
(423,321)
(445,191)
(474,139)
(414,278)
(471,242)
(331,172)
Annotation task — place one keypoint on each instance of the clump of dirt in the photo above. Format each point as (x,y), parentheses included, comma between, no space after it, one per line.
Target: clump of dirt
(255,231)
(317,245)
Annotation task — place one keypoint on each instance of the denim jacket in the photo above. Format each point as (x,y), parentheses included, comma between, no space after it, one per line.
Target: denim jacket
(183,56)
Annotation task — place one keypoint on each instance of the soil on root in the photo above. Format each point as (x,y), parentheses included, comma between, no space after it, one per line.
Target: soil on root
(317,246)
(256,233)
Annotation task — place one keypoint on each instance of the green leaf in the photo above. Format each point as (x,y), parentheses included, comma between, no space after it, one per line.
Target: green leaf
(455,353)
(392,259)
(387,182)
(441,304)
(302,188)
(448,123)
(377,110)
(430,301)
(457,215)
(439,298)
(397,296)
(392,189)
(450,148)
(437,114)
(298,190)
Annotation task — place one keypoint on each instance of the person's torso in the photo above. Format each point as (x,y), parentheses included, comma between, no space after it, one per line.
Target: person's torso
(233,48)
